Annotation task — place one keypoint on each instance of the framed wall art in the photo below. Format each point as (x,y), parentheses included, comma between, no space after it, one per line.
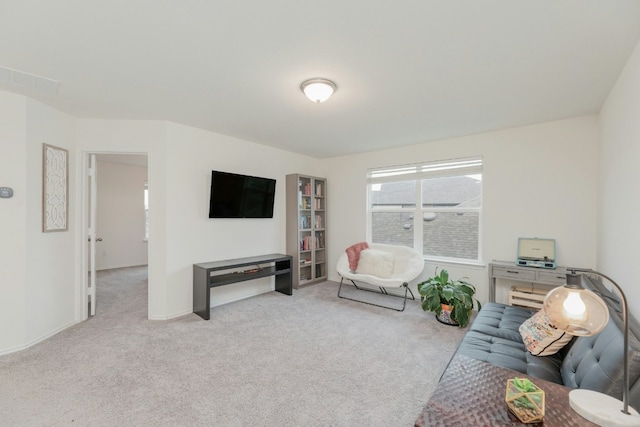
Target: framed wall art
(55,188)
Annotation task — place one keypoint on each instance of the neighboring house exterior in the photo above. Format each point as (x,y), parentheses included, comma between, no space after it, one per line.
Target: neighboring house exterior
(445,234)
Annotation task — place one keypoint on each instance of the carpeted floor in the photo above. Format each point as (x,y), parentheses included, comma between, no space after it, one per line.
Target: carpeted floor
(310,359)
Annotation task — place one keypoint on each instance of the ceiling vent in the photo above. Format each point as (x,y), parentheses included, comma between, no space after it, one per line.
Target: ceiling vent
(24,80)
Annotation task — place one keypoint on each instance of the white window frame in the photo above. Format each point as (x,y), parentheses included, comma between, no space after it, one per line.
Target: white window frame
(418,171)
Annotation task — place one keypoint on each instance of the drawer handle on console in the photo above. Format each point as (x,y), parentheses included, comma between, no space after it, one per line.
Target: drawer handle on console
(513,272)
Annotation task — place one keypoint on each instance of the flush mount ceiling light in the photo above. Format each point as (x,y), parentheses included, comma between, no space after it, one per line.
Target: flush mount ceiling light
(318,90)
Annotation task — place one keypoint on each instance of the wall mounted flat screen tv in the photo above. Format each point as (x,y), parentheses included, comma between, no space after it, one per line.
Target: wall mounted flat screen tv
(241,196)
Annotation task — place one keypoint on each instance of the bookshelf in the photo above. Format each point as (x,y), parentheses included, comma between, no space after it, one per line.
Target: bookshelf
(306,228)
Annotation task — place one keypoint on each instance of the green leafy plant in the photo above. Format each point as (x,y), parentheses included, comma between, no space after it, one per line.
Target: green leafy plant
(440,289)
(533,399)
(526,386)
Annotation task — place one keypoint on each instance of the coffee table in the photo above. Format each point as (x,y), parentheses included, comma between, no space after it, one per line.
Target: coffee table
(472,392)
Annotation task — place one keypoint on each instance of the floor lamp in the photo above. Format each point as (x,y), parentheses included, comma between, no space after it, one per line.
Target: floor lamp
(581,312)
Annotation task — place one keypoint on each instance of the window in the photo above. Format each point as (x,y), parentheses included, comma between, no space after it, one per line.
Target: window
(433,207)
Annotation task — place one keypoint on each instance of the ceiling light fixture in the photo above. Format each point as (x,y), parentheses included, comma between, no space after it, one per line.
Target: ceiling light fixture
(318,90)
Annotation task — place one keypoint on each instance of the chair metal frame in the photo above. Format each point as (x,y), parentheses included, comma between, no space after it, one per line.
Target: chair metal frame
(383,291)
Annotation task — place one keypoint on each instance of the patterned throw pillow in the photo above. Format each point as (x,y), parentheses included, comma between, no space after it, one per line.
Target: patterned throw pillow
(541,337)
(353,253)
(375,263)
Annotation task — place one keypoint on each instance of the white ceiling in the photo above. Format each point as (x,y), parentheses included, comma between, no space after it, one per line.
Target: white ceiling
(407,71)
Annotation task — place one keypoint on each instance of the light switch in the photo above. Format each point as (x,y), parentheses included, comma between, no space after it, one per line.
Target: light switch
(6,192)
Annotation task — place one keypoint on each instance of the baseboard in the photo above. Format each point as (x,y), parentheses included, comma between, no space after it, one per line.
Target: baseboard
(171,316)
(122,266)
(216,304)
(37,340)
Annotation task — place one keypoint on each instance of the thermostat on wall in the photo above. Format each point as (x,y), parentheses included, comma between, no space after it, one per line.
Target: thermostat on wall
(6,192)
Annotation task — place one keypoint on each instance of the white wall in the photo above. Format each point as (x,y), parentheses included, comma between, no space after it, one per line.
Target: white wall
(141,137)
(37,269)
(619,184)
(120,215)
(180,162)
(538,181)
(192,237)
(51,260)
(13,269)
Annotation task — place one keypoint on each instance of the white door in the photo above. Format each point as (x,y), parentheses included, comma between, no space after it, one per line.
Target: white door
(91,234)
(90,226)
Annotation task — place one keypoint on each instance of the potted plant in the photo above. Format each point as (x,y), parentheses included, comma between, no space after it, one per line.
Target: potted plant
(525,400)
(450,300)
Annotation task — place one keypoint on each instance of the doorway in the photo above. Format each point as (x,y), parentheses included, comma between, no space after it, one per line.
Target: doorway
(115,218)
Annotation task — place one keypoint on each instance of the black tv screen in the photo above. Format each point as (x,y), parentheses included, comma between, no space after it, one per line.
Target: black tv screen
(241,196)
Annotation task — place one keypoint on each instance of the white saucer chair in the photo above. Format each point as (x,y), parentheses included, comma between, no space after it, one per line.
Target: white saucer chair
(382,266)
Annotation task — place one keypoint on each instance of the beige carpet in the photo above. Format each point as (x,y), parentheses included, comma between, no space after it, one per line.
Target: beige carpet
(310,359)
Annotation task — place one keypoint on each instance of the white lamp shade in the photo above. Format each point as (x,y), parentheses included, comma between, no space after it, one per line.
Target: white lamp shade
(318,90)
(577,311)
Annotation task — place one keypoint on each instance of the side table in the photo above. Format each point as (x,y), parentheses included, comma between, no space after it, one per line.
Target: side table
(472,392)
(505,270)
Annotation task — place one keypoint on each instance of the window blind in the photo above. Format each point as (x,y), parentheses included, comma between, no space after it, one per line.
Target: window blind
(452,167)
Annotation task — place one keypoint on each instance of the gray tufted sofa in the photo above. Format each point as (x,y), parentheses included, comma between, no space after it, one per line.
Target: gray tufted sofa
(594,362)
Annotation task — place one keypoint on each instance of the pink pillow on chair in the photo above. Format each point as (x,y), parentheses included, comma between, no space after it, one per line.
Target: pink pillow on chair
(353,253)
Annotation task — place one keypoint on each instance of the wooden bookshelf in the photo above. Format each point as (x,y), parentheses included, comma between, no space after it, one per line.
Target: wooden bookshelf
(306,228)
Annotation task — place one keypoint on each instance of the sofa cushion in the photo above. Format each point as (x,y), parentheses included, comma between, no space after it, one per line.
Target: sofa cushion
(353,254)
(375,263)
(494,337)
(541,337)
(501,321)
(511,355)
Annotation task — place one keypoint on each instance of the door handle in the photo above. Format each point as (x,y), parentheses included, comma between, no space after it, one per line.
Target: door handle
(99,239)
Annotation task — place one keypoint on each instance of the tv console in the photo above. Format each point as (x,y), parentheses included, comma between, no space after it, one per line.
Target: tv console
(204,280)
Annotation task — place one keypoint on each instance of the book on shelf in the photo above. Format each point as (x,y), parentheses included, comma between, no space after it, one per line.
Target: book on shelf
(319,221)
(305,222)
(318,189)
(304,202)
(305,243)
(305,188)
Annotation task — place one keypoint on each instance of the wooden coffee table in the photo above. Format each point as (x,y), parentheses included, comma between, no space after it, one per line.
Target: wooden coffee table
(471,393)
